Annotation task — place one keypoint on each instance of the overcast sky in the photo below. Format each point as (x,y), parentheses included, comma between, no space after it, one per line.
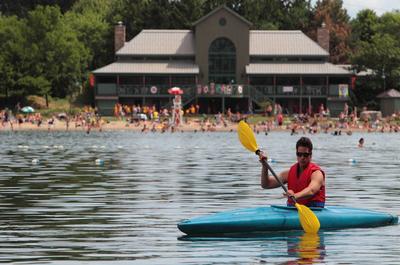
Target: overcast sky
(379,6)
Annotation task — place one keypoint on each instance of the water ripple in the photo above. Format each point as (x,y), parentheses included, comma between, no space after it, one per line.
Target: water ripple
(65,208)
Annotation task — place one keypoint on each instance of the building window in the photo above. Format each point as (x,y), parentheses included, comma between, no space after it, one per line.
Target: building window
(222,61)
(222,21)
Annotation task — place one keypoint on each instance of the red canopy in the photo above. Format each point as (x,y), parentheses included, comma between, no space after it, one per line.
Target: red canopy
(175,91)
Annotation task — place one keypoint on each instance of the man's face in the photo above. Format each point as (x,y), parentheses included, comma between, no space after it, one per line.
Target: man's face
(303,156)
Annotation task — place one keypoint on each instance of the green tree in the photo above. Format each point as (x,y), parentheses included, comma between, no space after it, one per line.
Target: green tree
(364,26)
(382,55)
(389,23)
(88,19)
(265,15)
(21,8)
(298,15)
(131,14)
(56,54)
(12,56)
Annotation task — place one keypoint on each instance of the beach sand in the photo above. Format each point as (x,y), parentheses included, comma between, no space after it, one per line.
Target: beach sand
(192,125)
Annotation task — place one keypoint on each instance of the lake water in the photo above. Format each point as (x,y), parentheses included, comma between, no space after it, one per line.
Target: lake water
(59,206)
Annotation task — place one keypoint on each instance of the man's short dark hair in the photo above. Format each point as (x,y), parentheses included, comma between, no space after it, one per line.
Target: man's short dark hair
(305,142)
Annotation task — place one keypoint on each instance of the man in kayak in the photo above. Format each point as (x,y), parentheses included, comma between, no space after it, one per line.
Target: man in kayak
(306,180)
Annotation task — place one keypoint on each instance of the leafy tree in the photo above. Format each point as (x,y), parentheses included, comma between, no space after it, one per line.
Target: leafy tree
(184,13)
(13,51)
(298,15)
(332,13)
(21,8)
(364,26)
(36,85)
(100,7)
(382,55)
(88,20)
(377,49)
(131,14)
(56,53)
(265,15)
(389,23)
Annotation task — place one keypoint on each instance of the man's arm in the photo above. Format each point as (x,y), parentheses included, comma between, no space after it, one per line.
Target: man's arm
(269,181)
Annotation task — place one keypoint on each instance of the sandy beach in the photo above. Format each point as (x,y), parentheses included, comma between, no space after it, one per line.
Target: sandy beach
(191,125)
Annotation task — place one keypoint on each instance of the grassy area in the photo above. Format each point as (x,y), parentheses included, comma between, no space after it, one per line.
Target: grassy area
(57,105)
(255,118)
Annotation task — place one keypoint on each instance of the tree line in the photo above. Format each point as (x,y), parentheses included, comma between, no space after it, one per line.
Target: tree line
(49,47)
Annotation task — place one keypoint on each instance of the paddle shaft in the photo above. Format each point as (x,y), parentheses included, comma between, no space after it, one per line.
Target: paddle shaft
(265,164)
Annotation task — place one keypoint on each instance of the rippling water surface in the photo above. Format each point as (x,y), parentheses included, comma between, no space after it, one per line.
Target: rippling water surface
(115,198)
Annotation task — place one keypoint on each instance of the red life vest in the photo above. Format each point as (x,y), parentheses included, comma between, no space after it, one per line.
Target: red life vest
(298,183)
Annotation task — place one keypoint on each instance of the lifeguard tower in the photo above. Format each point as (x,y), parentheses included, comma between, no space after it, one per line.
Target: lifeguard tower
(177,107)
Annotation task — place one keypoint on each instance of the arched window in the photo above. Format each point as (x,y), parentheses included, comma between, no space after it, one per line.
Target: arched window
(222,61)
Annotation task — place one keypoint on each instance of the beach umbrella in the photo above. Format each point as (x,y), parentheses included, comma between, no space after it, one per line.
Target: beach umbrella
(62,115)
(175,91)
(27,109)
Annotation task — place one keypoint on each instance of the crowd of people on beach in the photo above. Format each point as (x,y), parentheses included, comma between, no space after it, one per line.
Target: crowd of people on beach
(86,119)
(348,121)
(150,119)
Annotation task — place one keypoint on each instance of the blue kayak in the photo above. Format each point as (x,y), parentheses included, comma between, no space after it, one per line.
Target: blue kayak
(282,218)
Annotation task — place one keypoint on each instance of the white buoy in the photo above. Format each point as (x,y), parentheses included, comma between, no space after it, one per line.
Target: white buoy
(120,147)
(352,161)
(99,162)
(35,161)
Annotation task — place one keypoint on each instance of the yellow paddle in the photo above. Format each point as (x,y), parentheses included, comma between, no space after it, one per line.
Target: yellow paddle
(308,219)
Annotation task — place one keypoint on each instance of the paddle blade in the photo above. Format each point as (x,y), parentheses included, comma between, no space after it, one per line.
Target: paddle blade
(246,136)
(308,219)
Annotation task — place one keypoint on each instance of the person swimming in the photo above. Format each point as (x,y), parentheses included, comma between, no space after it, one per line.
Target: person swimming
(361,142)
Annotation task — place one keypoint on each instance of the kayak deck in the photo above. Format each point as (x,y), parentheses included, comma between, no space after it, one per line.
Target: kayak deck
(282,218)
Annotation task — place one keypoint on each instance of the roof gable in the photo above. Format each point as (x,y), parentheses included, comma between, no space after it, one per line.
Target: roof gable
(224,7)
(392,93)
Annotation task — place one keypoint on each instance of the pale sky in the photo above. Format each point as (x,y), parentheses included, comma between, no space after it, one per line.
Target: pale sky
(379,6)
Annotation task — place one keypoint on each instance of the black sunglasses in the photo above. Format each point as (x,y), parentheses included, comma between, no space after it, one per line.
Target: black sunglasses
(299,154)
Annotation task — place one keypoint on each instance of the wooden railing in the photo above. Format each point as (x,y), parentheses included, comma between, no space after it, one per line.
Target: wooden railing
(191,91)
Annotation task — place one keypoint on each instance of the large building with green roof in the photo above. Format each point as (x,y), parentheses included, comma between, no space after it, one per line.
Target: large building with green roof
(221,63)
